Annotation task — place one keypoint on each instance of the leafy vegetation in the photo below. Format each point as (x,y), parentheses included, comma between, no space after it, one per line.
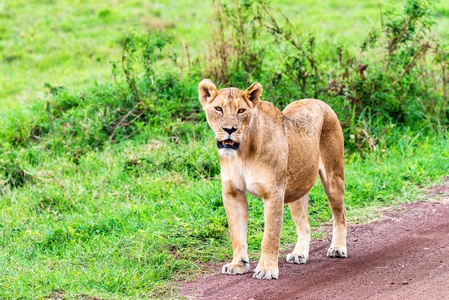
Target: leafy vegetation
(112,190)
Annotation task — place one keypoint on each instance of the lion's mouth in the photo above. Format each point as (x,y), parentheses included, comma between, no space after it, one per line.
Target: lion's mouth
(227,144)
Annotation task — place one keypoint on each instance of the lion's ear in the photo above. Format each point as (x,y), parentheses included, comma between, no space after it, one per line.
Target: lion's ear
(253,93)
(206,91)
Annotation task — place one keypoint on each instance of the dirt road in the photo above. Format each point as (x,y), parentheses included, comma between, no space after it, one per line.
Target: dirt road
(405,256)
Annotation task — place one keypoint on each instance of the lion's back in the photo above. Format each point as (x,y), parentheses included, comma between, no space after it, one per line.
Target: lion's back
(311,116)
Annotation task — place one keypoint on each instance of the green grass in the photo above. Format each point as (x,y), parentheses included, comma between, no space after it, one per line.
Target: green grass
(71,43)
(82,216)
(124,221)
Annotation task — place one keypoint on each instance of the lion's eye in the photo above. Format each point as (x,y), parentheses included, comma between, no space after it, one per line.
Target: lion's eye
(218,108)
(241,111)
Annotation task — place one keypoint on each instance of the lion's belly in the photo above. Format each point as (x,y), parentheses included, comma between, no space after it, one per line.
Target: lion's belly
(303,165)
(300,183)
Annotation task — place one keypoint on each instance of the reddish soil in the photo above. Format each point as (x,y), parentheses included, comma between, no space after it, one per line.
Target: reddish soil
(406,256)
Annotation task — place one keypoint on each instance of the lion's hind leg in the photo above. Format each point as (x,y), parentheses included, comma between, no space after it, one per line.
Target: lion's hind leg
(299,212)
(334,185)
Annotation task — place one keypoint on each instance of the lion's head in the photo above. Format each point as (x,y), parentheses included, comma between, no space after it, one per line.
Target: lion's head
(228,113)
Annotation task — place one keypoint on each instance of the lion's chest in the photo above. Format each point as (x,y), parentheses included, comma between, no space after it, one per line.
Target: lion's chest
(256,189)
(255,179)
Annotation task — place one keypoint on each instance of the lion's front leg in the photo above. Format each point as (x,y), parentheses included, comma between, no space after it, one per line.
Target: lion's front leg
(236,206)
(267,268)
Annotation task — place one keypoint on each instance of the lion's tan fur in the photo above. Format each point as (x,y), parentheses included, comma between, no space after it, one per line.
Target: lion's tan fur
(278,160)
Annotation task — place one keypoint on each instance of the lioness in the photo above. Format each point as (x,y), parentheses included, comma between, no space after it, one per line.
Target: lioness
(275,156)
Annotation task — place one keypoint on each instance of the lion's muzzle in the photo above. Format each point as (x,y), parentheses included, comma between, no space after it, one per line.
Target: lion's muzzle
(227,144)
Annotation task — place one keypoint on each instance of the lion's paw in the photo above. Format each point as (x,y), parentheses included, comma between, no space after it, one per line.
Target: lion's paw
(299,259)
(267,274)
(236,268)
(337,252)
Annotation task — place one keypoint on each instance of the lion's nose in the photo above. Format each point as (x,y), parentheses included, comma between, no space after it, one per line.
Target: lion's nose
(229,130)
